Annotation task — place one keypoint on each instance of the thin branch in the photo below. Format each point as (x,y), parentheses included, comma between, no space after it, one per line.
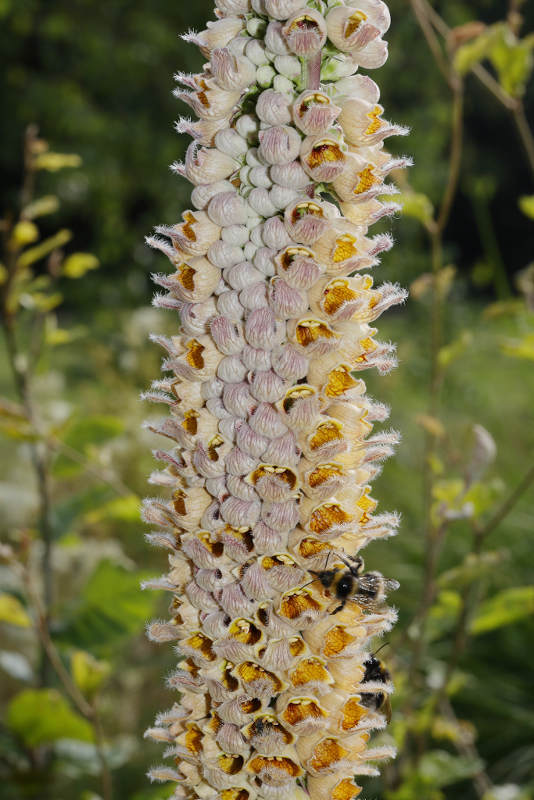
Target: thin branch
(508,504)
(464,745)
(431,39)
(525,132)
(455,158)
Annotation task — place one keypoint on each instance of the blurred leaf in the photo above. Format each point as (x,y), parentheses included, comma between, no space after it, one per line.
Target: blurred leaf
(3,274)
(451,352)
(43,249)
(83,435)
(423,284)
(43,716)
(473,567)
(443,613)
(14,423)
(416,205)
(24,233)
(48,204)
(120,509)
(13,612)
(505,608)
(88,673)
(439,768)
(77,504)
(520,348)
(474,51)
(511,57)
(38,301)
(431,425)
(56,161)
(77,264)
(482,496)
(111,607)
(526,204)
(16,665)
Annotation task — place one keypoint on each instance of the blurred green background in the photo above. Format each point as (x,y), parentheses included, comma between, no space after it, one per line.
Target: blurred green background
(96,78)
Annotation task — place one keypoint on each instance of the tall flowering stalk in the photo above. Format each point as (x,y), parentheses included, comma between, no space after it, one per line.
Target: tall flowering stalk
(272,449)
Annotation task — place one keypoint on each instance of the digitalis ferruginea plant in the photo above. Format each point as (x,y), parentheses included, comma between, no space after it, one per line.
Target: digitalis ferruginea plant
(274,619)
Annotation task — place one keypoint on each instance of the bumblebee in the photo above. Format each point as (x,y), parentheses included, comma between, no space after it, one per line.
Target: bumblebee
(352,584)
(376,673)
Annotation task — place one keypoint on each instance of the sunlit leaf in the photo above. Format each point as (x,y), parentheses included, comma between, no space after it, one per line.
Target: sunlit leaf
(520,348)
(120,509)
(24,233)
(43,716)
(88,672)
(526,204)
(77,264)
(48,204)
(504,608)
(13,612)
(416,205)
(56,161)
(14,423)
(43,249)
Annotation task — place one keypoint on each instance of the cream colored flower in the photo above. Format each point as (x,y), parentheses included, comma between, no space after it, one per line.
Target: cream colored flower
(272,447)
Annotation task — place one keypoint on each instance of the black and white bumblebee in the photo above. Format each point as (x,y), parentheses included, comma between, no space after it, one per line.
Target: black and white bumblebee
(350,583)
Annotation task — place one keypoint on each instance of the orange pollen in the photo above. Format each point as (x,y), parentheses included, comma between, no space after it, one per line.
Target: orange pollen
(345,248)
(367,178)
(354,22)
(376,122)
(194,354)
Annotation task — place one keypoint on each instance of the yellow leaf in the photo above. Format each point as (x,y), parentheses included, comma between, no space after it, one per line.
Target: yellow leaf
(416,205)
(77,264)
(47,204)
(526,204)
(24,233)
(431,425)
(88,672)
(13,612)
(43,249)
(56,161)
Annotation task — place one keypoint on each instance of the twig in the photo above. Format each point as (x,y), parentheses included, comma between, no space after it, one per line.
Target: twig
(88,710)
(465,747)
(455,156)
(508,505)
(430,36)
(525,133)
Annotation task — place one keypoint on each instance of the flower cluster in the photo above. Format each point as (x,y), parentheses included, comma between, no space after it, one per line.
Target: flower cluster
(273,449)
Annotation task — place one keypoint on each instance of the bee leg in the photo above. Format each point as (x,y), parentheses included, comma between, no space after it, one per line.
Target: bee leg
(338,609)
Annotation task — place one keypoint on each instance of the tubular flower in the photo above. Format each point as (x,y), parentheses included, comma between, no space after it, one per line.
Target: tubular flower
(272,444)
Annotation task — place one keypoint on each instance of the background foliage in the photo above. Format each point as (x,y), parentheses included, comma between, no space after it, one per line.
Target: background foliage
(79,680)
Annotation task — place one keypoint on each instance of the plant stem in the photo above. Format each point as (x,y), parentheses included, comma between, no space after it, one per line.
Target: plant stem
(525,133)
(313,80)
(88,710)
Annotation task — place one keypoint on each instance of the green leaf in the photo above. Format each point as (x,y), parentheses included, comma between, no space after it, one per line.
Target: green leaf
(88,673)
(526,204)
(43,249)
(83,435)
(439,768)
(48,204)
(77,264)
(56,161)
(416,205)
(520,348)
(474,51)
(452,352)
(13,612)
(111,608)
(43,716)
(14,423)
(120,509)
(504,608)
(473,567)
